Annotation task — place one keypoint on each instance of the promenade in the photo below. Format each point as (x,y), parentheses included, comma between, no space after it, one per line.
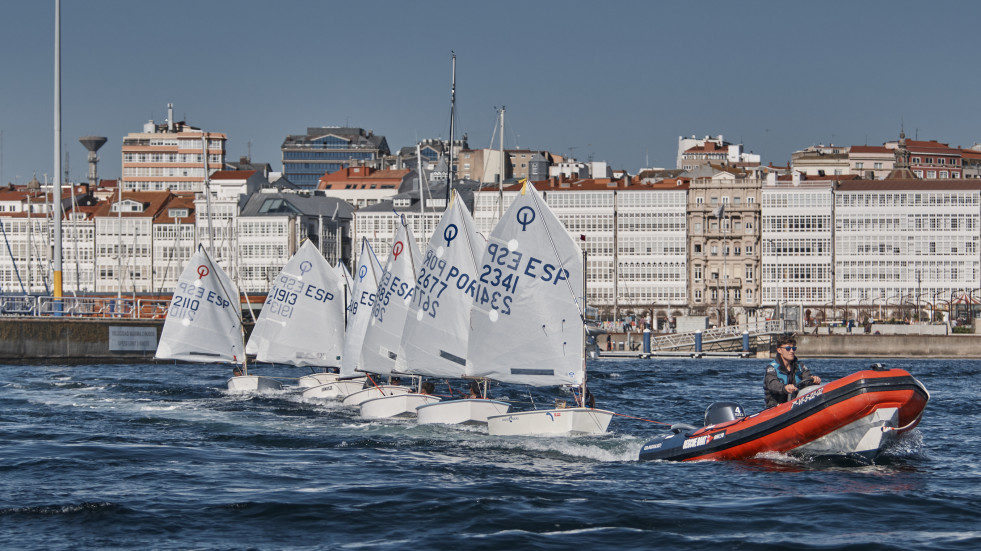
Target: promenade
(47,339)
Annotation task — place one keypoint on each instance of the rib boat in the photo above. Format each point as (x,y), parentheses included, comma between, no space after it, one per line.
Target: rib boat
(854,417)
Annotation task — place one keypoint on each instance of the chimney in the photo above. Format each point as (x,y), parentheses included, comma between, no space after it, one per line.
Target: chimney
(170,117)
(771,178)
(796,178)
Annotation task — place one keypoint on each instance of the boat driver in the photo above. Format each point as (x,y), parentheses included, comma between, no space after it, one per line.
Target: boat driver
(784,374)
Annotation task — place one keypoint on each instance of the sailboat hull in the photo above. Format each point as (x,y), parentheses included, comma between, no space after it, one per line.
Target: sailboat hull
(550,422)
(457,412)
(253,383)
(400,405)
(333,391)
(317,379)
(356,398)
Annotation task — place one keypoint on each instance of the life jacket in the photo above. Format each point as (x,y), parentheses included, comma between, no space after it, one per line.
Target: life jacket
(785,377)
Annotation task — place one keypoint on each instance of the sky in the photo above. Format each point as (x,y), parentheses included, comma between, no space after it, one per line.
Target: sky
(614,81)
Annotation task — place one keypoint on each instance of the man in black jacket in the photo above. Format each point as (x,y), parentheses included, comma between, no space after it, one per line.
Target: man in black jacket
(785,374)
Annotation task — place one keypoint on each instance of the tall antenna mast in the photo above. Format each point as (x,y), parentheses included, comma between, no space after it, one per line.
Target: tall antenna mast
(449,168)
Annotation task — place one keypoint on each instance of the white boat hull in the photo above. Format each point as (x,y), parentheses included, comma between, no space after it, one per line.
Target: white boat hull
(557,422)
(863,438)
(355,399)
(456,412)
(333,391)
(399,405)
(253,383)
(317,379)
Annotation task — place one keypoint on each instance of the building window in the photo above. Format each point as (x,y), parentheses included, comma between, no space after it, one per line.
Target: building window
(699,200)
(698,248)
(877,165)
(749,272)
(698,295)
(859,165)
(698,273)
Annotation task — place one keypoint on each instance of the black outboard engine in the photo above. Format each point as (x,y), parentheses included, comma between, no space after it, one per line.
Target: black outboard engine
(721,412)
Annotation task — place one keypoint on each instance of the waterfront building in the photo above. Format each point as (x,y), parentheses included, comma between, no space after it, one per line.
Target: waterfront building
(26,232)
(821,160)
(483,165)
(685,144)
(364,186)
(932,160)
(174,242)
(125,239)
(273,224)
(796,236)
(971,161)
(904,247)
(323,150)
(170,156)
(723,244)
(634,239)
(713,151)
(870,162)
(217,218)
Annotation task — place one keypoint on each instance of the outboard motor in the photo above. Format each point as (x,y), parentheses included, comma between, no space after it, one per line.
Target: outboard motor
(721,412)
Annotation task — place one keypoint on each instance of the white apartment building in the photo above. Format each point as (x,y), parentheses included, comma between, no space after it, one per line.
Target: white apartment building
(274,223)
(903,246)
(796,238)
(635,239)
(170,156)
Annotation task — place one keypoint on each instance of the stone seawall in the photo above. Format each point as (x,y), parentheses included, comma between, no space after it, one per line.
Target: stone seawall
(52,339)
(889,346)
(44,339)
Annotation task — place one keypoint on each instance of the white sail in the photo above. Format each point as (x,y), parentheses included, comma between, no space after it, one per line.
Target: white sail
(359,308)
(395,290)
(302,320)
(434,341)
(204,321)
(526,325)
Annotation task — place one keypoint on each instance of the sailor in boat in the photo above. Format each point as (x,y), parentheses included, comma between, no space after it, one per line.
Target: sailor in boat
(427,388)
(786,375)
(475,392)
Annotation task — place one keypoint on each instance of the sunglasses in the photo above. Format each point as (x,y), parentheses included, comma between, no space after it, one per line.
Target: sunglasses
(789,348)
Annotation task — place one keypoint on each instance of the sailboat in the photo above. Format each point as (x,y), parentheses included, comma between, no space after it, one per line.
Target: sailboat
(384,334)
(362,297)
(302,320)
(527,322)
(204,323)
(434,340)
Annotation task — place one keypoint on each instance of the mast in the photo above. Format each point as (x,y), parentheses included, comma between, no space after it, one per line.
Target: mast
(56,268)
(422,210)
(207,194)
(449,168)
(500,181)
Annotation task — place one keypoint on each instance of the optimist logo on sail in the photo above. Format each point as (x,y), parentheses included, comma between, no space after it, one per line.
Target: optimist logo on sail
(525,216)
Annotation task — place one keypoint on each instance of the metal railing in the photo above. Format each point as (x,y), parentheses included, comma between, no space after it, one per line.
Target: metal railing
(717,334)
(83,307)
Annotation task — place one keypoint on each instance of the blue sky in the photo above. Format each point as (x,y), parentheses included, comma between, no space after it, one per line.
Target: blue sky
(616,81)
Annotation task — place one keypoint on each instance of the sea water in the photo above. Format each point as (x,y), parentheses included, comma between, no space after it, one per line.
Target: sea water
(159,456)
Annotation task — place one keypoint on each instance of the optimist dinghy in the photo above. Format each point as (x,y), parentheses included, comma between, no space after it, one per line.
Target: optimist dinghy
(854,417)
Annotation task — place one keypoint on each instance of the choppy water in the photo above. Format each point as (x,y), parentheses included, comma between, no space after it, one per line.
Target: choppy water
(159,457)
